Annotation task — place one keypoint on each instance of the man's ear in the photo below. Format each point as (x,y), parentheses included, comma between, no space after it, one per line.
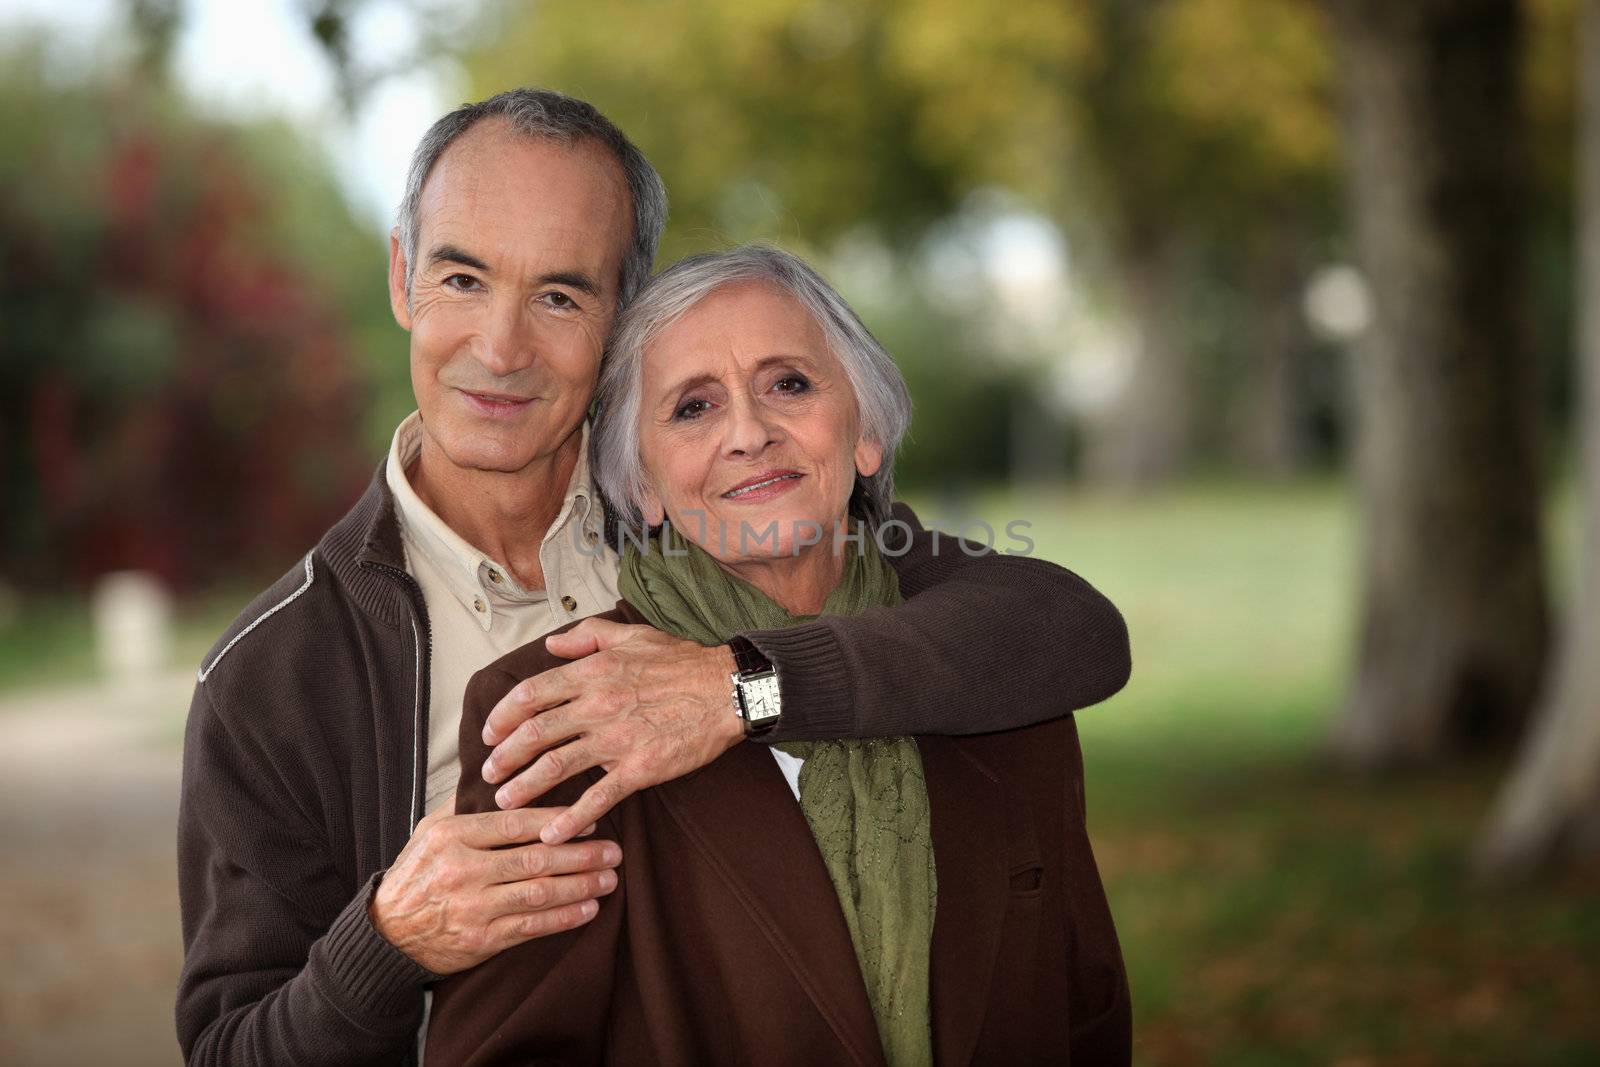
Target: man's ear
(399,301)
(869,456)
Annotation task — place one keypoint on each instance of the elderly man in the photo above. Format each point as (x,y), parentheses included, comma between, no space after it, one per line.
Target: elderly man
(318,901)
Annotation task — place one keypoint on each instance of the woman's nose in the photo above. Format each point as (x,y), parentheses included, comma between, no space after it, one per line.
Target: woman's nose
(748,429)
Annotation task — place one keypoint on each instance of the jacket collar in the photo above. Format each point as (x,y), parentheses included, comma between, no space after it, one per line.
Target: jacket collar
(363,551)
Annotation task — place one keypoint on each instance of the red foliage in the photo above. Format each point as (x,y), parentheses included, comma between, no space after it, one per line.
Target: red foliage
(237,447)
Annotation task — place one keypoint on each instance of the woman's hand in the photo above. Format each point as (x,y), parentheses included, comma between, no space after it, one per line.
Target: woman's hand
(645,706)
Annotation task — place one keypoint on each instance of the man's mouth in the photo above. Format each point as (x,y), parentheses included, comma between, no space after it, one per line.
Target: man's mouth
(760,482)
(496,403)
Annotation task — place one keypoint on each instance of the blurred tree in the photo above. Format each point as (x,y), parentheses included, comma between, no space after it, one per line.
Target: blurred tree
(1453,624)
(436,28)
(177,392)
(1550,807)
(154,25)
(1182,144)
(1175,136)
(770,119)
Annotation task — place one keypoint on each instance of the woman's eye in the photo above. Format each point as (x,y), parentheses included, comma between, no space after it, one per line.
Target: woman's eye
(691,409)
(792,383)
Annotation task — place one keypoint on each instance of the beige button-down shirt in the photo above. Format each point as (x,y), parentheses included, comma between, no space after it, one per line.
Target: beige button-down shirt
(477,611)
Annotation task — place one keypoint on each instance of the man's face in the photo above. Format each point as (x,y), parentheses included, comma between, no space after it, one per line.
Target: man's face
(520,243)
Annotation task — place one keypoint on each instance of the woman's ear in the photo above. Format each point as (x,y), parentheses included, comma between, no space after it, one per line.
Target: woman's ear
(869,456)
(650,507)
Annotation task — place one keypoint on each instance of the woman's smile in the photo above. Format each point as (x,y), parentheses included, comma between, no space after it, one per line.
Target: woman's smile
(763,487)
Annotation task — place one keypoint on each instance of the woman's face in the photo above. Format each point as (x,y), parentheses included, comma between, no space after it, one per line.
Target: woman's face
(749,432)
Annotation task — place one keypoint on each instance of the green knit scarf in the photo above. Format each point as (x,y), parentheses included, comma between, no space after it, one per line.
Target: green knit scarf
(866,801)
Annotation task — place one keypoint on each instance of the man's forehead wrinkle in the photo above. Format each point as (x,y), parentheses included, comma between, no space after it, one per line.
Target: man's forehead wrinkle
(471,201)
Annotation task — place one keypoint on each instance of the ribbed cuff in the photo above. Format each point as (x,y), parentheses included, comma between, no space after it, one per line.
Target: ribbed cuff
(376,979)
(813,681)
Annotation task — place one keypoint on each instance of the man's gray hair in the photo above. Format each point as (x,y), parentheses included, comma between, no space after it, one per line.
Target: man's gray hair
(544,114)
(882,400)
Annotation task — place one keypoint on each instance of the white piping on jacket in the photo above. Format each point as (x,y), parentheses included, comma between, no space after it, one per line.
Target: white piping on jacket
(205,672)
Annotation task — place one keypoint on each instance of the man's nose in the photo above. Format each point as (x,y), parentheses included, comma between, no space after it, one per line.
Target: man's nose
(749,428)
(505,344)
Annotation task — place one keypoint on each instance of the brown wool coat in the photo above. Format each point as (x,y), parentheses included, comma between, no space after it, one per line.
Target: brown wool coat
(724,941)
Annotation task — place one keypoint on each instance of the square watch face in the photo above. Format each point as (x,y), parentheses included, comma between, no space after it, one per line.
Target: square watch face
(761,698)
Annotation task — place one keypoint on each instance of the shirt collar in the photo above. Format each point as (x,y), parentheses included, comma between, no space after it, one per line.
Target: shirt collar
(478,581)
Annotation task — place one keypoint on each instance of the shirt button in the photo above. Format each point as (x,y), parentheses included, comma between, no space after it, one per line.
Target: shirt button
(478,605)
(591,538)
(569,603)
(494,576)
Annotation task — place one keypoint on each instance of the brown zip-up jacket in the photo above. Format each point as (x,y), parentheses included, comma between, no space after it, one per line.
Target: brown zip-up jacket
(305,758)
(724,942)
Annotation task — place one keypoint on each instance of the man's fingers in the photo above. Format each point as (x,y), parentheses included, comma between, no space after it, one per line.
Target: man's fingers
(491,829)
(539,894)
(528,740)
(547,772)
(598,799)
(528,697)
(541,861)
(590,636)
(516,928)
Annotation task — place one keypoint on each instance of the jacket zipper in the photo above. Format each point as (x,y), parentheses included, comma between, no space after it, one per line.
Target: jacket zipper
(423,693)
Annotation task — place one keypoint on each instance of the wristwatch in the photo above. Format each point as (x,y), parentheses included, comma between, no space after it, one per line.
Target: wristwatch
(757,698)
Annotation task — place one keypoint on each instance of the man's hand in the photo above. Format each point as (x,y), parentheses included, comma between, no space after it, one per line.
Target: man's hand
(454,898)
(645,706)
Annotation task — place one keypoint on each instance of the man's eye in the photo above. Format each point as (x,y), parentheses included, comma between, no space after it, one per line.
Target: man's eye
(560,300)
(461,282)
(691,409)
(791,383)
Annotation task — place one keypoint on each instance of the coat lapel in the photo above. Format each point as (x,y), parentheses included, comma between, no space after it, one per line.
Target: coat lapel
(754,845)
(968,815)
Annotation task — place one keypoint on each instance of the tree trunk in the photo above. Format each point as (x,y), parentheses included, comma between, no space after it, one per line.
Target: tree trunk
(1144,438)
(1268,428)
(1453,618)
(1550,806)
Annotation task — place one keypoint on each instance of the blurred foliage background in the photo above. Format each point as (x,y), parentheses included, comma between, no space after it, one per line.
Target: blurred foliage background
(1131,256)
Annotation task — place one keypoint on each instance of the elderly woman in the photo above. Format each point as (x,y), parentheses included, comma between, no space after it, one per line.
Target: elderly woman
(897,900)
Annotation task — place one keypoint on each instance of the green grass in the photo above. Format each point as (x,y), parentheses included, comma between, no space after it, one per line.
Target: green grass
(1271,910)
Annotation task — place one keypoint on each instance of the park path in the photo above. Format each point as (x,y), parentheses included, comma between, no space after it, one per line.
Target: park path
(88,889)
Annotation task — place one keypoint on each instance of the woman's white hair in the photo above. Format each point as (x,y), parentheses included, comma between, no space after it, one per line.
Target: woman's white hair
(883,403)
